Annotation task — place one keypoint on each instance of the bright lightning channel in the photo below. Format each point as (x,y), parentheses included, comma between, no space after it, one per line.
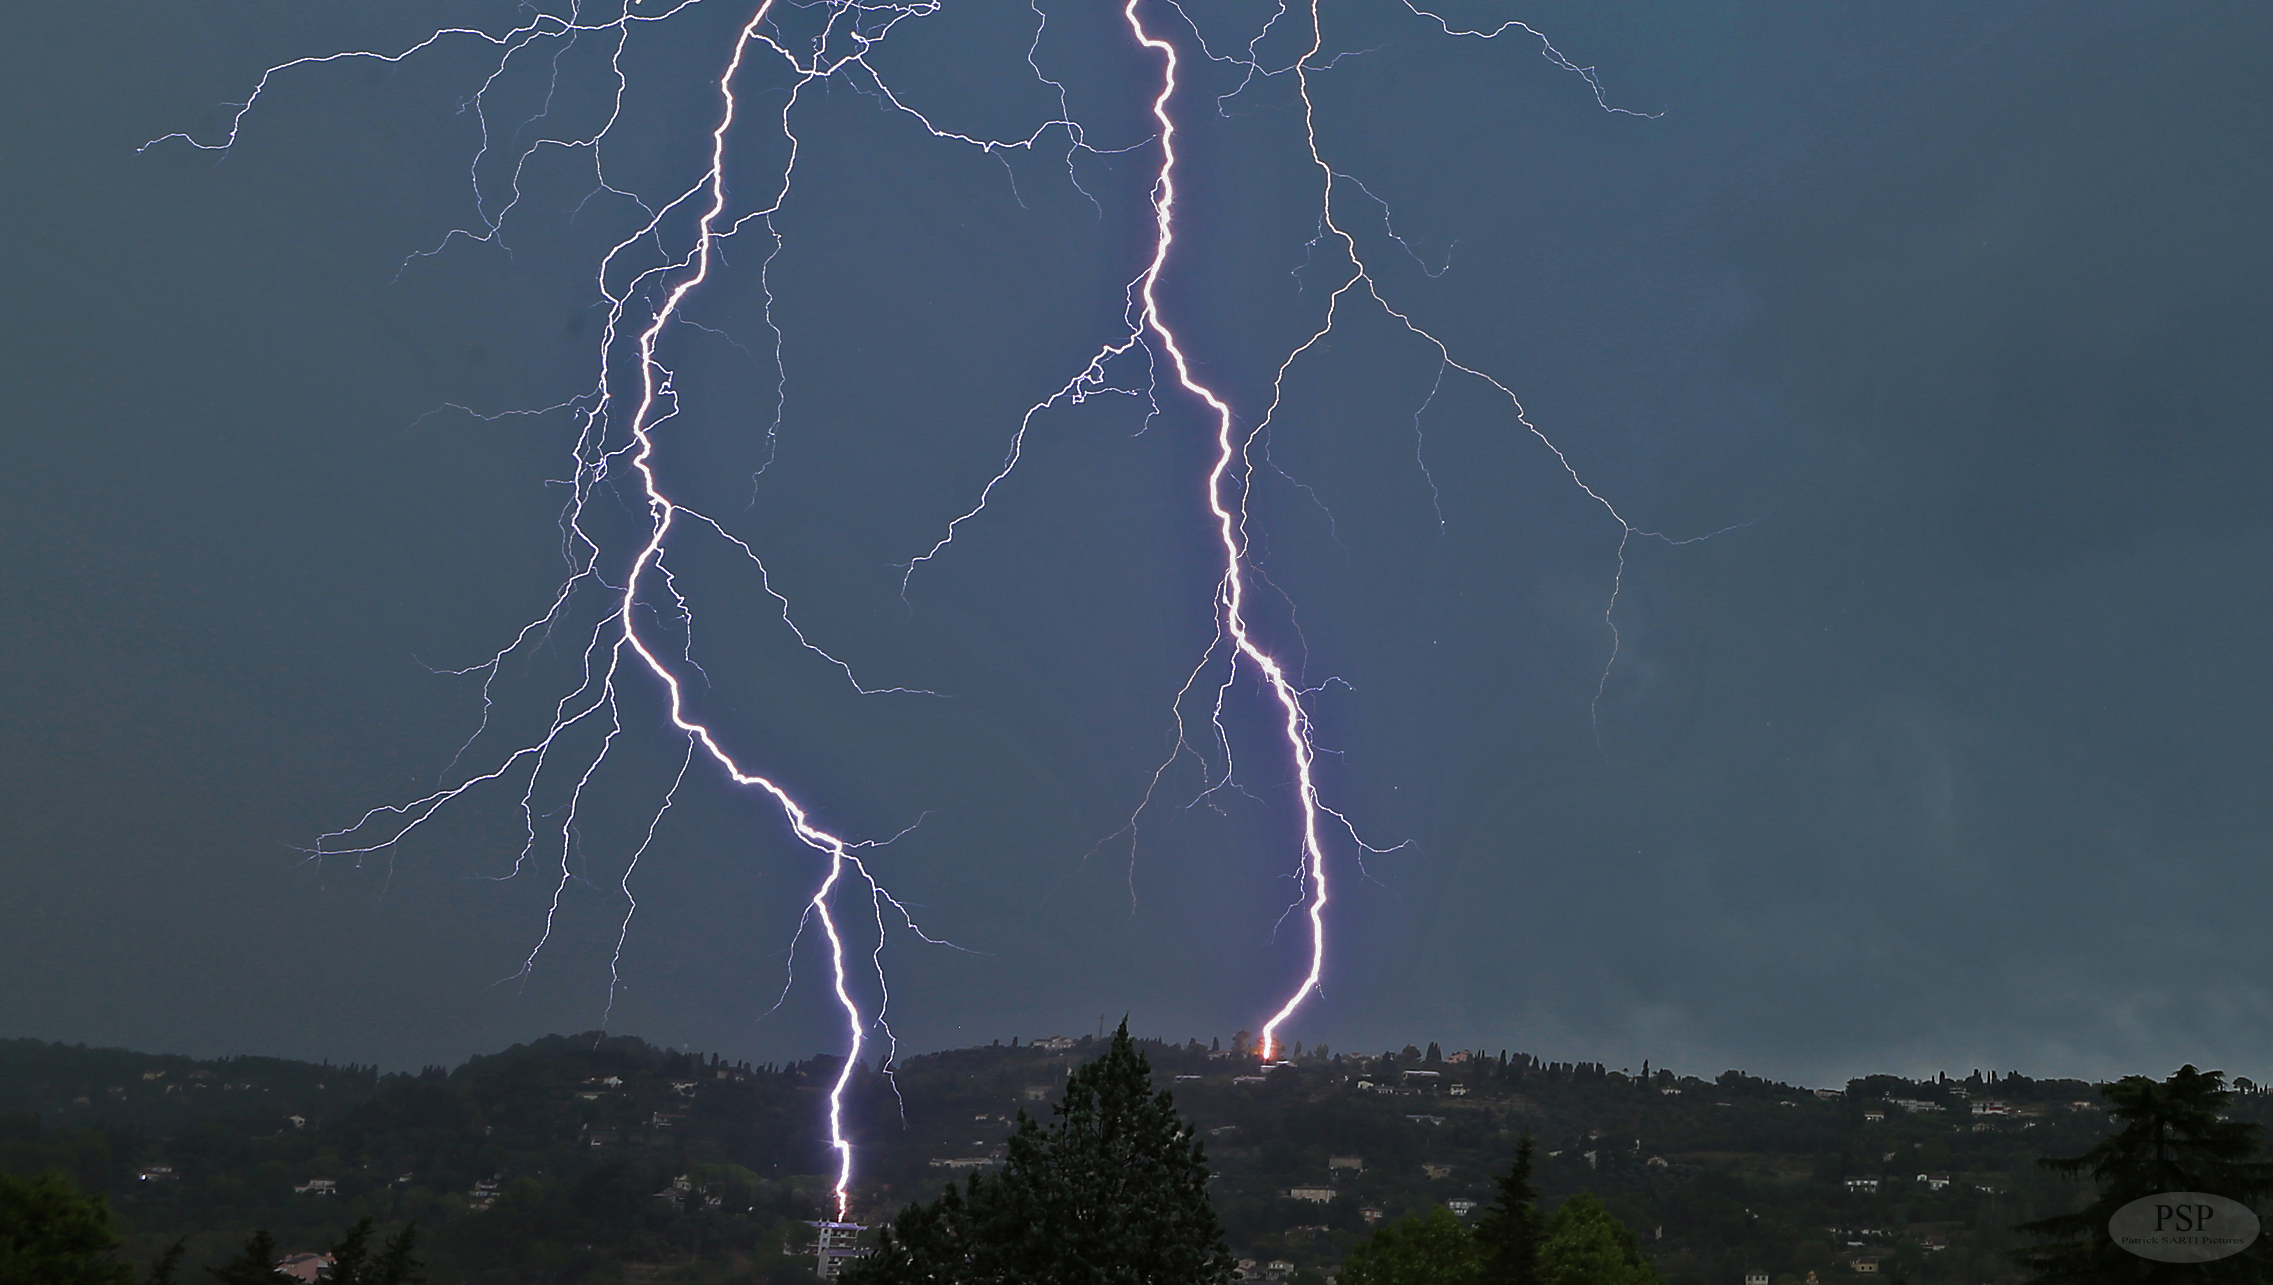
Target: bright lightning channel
(617,438)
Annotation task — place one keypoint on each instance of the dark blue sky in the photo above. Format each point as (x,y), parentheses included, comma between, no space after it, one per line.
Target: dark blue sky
(1952,753)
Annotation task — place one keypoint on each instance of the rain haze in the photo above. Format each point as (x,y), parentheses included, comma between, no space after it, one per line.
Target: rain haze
(1868,678)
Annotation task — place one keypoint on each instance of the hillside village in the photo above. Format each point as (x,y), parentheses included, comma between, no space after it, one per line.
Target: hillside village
(585,1158)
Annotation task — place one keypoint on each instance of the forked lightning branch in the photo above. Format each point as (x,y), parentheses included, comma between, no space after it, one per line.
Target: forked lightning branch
(644,283)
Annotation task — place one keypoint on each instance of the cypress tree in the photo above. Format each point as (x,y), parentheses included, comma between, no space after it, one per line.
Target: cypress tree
(1510,1229)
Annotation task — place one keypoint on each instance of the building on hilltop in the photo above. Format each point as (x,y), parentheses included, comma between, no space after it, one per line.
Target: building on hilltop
(836,1244)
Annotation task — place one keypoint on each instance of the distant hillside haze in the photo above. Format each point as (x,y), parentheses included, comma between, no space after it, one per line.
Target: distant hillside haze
(575,1155)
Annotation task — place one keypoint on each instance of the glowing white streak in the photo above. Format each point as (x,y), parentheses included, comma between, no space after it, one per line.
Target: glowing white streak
(1230,522)
(663,511)
(604,445)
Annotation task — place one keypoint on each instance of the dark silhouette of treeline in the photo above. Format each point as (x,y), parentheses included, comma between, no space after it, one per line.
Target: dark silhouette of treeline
(573,1156)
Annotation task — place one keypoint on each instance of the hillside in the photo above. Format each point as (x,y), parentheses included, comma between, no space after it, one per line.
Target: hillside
(575,1159)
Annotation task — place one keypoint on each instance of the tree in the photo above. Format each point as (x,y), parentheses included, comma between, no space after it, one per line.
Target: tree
(351,1253)
(163,1267)
(1509,1231)
(1587,1245)
(397,1265)
(353,1264)
(1113,1192)
(2171,1139)
(51,1233)
(1426,1249)
(255,1263)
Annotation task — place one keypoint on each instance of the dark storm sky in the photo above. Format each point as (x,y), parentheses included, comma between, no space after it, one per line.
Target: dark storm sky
(1954,754)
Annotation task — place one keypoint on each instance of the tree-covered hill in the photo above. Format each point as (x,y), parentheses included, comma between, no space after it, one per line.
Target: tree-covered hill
(584,1158)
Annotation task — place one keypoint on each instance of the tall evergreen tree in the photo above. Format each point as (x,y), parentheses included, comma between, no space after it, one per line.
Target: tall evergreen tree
(1510,1229)
(396,1264)
(2172,1139)
(353,1262)
(351,1253)
(255,1263)
(165,1265)
(1113,1192)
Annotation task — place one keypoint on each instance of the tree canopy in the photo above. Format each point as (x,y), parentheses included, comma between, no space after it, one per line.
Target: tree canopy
(1585,1244)
(2172,1137)
(51,1233)
(1112,1192)
(1434,1248)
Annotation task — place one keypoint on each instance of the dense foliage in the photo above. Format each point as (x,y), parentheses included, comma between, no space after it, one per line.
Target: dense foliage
(1114,1192)
(600,1159)
(51,1233)
(1583,1244)
(2173,1136)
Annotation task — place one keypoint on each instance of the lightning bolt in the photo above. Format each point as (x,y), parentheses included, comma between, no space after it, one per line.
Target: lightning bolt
(1230,522)
(645,629)
(1229,479)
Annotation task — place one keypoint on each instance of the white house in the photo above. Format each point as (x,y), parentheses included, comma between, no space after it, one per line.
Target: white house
(1316,1195)
(1866,1186)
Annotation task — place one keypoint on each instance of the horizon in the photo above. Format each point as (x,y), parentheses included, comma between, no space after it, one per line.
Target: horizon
(1477,1055)
(1728,539)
